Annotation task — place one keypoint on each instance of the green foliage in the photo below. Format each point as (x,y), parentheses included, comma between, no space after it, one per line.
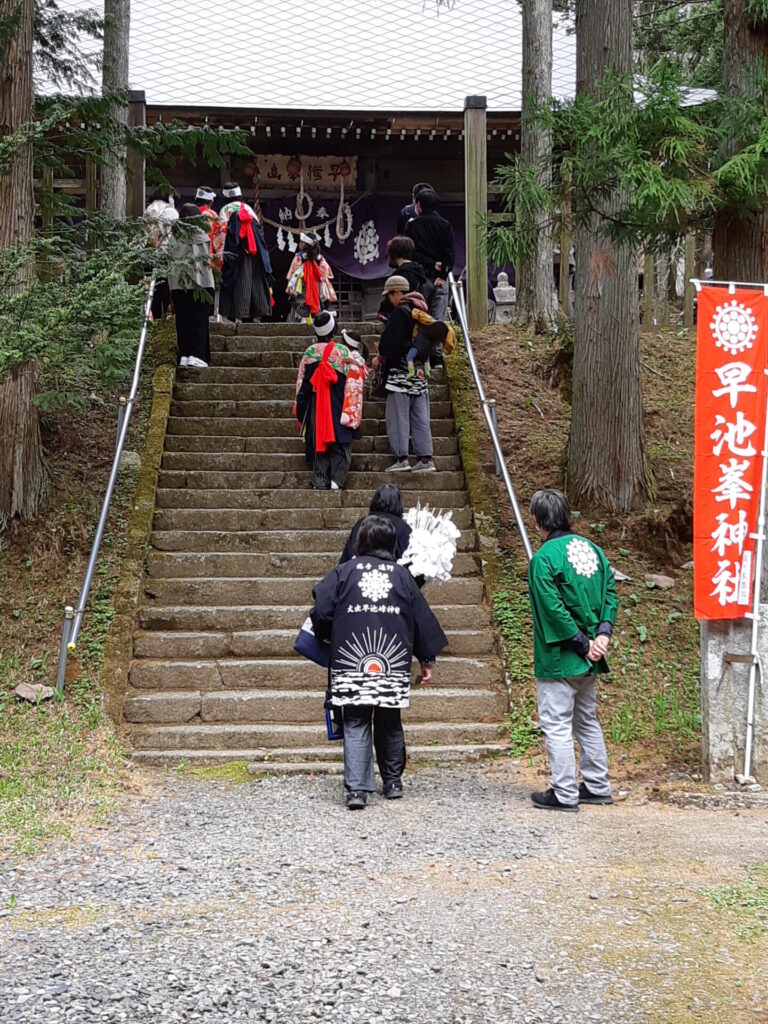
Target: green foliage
(58,54)
(78,319)
(687,36)
(666,168)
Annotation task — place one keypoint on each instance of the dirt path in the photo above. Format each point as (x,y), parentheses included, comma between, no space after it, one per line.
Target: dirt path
(268,901)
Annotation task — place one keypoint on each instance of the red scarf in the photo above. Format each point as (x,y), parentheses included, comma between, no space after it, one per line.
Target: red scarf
(312,278)
(246,230)
(322,378)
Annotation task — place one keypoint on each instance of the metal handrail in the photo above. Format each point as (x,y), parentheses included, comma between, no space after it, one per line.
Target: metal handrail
(73,617)
(489,411)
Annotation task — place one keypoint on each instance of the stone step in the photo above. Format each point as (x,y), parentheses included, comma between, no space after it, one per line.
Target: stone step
(189,539)
(268,643)
(312,501)
(276,410)
(236,375)
(301,708)
(313,760)
(461,590)
(271,343)
(274,358)
(255,617)
(263,391)
(264,462)
(442,482)
(237,564)
(256,739)
(277,426)
(257,519)
(227,329)
(289,672)
(217,443)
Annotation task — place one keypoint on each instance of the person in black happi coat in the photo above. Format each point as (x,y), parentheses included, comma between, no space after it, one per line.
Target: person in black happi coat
(376,620)
(246,277)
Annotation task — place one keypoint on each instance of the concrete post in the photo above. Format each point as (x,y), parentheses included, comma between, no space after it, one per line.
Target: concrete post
(724,699)
(475,207)
(690,267)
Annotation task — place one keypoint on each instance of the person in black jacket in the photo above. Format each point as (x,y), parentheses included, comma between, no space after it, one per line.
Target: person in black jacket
(376,620)
(387,502)
(409,212)
(400,251)
(434,249)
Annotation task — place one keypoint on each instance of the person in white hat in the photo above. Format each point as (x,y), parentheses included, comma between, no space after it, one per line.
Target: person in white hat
(205,198)
(319,407)
(309,281)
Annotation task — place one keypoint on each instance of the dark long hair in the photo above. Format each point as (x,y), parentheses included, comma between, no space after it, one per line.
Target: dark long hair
(376,538)
(388,498)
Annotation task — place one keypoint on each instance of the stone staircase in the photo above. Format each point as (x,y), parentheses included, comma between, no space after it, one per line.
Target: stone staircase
(239,540)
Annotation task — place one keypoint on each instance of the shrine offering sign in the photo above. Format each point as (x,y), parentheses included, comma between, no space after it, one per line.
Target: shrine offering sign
(732,354)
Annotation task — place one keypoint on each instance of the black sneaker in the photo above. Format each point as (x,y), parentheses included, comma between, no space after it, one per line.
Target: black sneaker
(548,802)
(393,790)
(356,801)
(586,797)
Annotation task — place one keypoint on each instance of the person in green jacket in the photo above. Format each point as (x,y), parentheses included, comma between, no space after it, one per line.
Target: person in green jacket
(574,604)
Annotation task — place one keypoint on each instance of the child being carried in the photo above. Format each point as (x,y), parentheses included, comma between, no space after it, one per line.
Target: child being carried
(426,348)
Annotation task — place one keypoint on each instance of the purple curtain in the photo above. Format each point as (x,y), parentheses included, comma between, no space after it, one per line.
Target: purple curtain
(374,221)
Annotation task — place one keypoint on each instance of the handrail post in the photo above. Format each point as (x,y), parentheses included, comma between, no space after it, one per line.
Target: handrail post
(66,632)
(124,418)
(461,309)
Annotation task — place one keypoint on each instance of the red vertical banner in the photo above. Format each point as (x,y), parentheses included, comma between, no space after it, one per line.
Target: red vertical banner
(732,355)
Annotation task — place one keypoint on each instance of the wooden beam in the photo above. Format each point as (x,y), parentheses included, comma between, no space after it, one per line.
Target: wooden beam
(475,207)
(135,168)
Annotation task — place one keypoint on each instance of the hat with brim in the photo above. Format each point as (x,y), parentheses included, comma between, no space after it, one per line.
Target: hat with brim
(396,283)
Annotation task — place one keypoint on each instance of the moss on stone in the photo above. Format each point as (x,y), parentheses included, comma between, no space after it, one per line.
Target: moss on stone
(118,645)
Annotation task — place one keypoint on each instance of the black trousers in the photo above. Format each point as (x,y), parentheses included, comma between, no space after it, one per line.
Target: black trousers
(388,738)
(331,465)
(192,323)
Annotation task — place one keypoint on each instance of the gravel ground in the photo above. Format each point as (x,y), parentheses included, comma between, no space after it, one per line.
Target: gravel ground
(269,901)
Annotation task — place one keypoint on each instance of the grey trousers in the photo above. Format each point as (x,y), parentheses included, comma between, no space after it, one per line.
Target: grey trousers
(388,738)
(408,416)
(438,302)
(568,710)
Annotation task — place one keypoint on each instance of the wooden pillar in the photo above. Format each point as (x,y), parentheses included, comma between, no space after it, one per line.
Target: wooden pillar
(137,196)
(690,268)
(475,207)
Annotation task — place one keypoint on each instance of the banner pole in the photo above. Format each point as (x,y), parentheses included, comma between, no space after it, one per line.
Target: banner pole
(759,550)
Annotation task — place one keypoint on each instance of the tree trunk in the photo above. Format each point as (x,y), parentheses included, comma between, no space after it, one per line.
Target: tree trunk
(22,468)
(536,301)
(114,84)
(23,476)
(740,244)
(606,456)
(17,197)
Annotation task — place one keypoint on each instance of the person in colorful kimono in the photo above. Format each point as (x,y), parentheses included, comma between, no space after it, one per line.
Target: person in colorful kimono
(246,278)
(574,604)
(309,281)
(329,428)
(376,620)
(205,197)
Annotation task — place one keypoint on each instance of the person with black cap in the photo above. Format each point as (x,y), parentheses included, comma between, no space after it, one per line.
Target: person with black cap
(320,406)
(246,278)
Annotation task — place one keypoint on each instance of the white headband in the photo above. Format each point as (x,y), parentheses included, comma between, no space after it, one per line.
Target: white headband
(325,329)
(351,342)
(308,239)
(232,193)
(207,194)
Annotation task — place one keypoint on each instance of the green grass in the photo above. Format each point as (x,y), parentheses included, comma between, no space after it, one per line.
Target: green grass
(748,899)
(233,771)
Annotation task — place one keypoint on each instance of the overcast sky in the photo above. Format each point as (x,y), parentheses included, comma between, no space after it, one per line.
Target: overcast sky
(345,54)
